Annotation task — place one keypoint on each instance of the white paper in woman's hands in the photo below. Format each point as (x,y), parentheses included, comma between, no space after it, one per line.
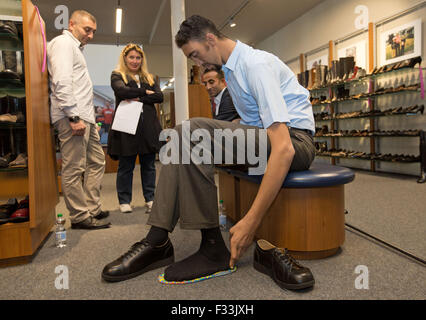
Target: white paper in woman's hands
(127,116)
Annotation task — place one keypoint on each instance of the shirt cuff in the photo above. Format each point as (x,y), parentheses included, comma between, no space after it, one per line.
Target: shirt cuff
(71,111)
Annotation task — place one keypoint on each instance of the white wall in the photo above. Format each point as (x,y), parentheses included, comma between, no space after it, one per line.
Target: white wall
(332,20)
(102,60)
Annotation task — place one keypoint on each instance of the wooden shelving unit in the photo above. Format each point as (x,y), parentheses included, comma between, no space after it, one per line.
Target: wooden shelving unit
(19,241)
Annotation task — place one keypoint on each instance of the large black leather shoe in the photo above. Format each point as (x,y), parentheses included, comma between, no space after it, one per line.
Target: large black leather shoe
(141,257)
(281,267)
(90,224)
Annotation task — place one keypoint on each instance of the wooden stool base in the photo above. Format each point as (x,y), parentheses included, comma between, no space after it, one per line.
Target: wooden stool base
(309,222)
(314,255)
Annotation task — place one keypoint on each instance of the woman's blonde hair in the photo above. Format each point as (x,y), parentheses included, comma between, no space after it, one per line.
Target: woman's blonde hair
(144,74)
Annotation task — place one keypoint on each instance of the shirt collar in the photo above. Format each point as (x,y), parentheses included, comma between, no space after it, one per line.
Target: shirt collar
(218,98)
(78,43)
(233,58)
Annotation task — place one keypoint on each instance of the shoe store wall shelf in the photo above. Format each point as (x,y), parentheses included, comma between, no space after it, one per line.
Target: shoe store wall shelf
(365,97)
(12,92)
(367,134)
(366,79)
(376,113)
(10,42)
(388,103)
(20,240)
(14,183)
(376,157)
(12,125)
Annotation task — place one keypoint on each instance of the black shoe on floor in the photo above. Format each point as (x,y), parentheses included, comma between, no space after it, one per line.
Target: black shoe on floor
(90,224)
(141,257)
(281,267)
(102,215)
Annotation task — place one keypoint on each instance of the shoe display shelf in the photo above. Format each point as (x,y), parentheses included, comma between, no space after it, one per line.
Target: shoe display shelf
(20,241)
(330,101)
(10,42)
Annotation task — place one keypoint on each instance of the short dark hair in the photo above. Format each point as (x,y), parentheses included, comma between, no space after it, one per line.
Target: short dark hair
(216,69)
(195,28)
(82,13)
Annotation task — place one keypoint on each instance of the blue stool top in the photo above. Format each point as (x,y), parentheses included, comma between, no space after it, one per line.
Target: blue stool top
(318,175)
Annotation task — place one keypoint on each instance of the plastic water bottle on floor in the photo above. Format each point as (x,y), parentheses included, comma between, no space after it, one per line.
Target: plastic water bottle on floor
(222,216)
(60,232)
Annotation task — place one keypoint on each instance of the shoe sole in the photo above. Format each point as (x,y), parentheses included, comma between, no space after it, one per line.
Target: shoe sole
(92,228)
(153,266)
(262,269)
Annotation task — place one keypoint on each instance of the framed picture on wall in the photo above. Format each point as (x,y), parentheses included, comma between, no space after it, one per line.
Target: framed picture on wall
(356,50)
(401,43)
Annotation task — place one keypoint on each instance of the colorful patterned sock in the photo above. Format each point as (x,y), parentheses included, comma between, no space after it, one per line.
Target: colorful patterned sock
(215,275)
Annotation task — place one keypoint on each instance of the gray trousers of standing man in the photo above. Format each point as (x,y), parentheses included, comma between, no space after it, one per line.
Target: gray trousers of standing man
(83,166)
(188,191)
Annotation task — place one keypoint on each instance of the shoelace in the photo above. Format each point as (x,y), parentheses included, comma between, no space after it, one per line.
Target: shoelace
(135,249)
(288,260)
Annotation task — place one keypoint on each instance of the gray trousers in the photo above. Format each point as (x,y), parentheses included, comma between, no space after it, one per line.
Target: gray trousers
(188,191)
(83,166)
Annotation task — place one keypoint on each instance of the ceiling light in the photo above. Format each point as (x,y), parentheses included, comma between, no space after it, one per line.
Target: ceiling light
(232,24)
(118,16)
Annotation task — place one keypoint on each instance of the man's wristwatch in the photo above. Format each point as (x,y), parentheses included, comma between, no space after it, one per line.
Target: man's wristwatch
(74,119)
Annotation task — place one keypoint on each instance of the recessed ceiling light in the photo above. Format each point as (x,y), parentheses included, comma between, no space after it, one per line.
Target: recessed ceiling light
(118,18)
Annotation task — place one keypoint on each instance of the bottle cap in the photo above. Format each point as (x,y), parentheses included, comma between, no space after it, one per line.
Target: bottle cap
(99,124)
(59,215)
(220,201)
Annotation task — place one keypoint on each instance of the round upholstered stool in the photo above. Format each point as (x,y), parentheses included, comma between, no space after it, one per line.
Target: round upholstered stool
(307,216)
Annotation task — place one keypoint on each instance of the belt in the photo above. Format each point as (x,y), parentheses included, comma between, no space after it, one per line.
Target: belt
(303,130)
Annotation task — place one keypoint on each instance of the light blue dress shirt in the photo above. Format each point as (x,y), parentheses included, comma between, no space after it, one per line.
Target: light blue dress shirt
(264,90)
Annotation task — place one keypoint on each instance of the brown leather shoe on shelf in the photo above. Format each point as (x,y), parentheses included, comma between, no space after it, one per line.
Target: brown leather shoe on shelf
(7,117)
(6,159)
(21,161)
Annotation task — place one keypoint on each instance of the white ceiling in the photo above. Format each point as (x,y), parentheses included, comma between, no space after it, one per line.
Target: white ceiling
(256,20)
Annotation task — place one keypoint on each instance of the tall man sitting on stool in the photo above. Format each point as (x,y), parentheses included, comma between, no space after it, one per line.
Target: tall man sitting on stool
(222,106)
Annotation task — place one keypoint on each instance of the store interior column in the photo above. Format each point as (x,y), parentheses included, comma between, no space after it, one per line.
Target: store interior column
(180,68)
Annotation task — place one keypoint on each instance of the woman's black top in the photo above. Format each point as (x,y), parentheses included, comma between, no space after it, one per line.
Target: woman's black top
(146,139)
